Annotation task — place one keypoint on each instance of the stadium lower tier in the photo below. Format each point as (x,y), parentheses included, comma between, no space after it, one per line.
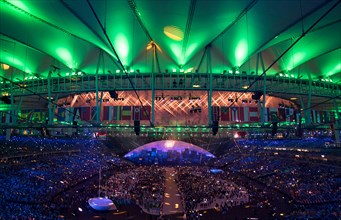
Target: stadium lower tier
(46,178)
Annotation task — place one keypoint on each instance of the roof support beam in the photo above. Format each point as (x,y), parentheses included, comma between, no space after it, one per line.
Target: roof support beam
(289,48)
(133,7)
(288,27)
(188,28)
(118,58)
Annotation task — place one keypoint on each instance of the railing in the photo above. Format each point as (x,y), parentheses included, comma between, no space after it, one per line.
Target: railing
(172,81)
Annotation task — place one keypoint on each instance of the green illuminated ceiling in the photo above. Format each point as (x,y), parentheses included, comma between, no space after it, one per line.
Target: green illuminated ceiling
(66,34)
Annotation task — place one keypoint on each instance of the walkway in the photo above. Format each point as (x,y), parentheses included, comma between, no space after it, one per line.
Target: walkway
(172,201)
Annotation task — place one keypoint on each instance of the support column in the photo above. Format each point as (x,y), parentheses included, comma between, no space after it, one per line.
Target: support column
(18,109)
(98,110)
(8,130)
(263,102)
(50,104)
(307,111)
(97,98)
(53,110)
(100,107)
(210,86)
(337,124)
(153,86)
(263,108)
(9,113)
(14,109)
(153,100)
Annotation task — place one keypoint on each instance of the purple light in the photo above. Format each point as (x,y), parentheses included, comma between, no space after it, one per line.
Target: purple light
(167,145)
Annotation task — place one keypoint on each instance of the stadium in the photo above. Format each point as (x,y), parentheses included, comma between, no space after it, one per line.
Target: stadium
(170,109)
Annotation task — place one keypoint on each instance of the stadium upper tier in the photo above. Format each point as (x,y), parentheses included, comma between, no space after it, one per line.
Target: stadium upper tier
(286,87)
(74,82)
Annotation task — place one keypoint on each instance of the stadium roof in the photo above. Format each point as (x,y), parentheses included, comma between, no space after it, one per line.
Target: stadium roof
(155,35)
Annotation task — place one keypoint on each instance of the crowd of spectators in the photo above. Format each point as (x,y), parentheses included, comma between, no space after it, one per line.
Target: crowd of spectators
(306,183)
(324,211)
(36,175)
(202,189)
(292,143)
(143,185)
(29,184)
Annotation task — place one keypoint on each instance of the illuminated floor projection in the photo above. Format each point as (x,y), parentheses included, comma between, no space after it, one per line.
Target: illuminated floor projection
(169,152)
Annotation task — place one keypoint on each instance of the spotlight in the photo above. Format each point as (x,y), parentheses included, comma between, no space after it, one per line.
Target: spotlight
(137,128)
(149,46)
(37,75)
(274,129)
(113,94)
(257,95)
(6,99)
(215,126)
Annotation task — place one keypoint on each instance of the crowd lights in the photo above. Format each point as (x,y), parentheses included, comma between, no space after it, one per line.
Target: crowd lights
(326,80)
(286,75)
(31,77)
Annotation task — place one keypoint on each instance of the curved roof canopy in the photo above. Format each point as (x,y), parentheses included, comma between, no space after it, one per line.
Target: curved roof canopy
(155,35)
